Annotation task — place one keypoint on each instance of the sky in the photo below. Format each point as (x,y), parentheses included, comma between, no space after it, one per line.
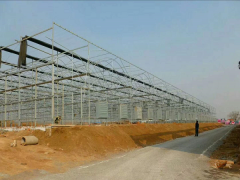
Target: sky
(194,46)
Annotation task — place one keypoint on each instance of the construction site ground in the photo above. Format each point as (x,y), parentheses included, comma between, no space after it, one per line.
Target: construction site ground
(229,151)
(68,147)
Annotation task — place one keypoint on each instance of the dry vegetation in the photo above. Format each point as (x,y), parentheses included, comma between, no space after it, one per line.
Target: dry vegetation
(229,151)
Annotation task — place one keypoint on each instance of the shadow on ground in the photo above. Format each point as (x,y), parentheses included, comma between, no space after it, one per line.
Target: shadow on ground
(189,144)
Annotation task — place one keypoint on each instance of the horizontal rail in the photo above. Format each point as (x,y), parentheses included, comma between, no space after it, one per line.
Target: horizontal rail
(46,82)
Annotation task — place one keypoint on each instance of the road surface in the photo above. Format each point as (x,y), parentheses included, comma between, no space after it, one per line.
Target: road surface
(181,159)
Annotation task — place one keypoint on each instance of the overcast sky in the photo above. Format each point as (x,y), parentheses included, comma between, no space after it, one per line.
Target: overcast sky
(193,45)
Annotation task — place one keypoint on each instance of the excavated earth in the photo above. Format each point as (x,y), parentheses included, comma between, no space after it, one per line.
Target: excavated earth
(229,151)
(69,147)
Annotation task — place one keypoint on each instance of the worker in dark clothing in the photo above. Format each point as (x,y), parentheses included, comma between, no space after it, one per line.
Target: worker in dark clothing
(196,128)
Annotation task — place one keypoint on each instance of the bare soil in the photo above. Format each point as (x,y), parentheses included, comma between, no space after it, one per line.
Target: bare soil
(74,146)
(229,150)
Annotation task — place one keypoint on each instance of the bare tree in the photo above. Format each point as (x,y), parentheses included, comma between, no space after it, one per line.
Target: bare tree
(234,115)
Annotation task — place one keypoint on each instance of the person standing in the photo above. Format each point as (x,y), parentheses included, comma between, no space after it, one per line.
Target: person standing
(196,128)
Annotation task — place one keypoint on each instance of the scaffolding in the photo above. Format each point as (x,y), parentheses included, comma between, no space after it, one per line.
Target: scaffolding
(58,73)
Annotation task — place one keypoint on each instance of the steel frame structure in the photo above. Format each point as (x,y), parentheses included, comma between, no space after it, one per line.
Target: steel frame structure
(66,75)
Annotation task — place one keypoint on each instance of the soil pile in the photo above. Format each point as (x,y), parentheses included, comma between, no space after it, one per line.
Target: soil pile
(73,146)
(229,150)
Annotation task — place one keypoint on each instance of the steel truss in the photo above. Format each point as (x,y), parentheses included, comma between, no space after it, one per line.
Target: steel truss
(67,75)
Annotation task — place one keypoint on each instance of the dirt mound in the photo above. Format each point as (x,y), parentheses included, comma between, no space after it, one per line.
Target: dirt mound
(72,146)
(104,139)
(229,150)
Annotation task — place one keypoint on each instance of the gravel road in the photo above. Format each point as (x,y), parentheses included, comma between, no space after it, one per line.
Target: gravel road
(179,159)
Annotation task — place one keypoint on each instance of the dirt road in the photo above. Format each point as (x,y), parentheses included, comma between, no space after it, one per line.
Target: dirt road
(182,158)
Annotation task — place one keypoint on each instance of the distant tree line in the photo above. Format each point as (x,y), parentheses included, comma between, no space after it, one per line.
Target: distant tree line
(234,115)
